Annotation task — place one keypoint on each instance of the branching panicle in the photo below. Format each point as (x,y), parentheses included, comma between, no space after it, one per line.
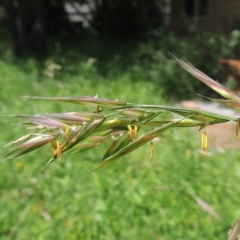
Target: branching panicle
(126,126)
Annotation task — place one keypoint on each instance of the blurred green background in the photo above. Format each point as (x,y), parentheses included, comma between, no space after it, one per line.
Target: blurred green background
(179,194)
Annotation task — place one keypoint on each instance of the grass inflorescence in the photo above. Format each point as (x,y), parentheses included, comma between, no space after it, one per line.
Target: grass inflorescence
(175,193)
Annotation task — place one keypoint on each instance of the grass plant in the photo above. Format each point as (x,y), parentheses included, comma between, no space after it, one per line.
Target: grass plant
(170,192)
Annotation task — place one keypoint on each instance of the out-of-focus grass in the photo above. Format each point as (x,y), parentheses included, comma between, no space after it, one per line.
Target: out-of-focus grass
(135,198)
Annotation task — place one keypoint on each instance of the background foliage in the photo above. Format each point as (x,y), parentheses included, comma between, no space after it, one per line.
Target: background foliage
(146,60)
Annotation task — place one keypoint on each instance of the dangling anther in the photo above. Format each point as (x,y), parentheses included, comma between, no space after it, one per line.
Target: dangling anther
(151,150)
(57,151)
(237,129)
(204,142)
(66,132)
(132,131)
(97,109)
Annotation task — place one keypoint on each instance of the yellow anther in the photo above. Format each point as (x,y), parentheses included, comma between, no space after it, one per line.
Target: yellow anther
(204,142)
(132,131)
(151,150)
(97,109)
(66,132)
(135,130)
(57,151)
(237,128)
